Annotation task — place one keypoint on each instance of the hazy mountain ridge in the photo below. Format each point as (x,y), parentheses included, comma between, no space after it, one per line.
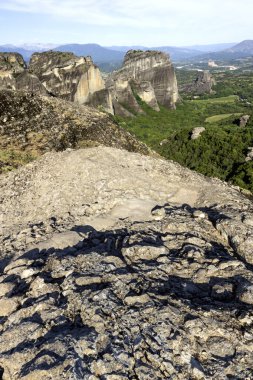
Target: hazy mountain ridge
(244,46)
(15,49)
(111,57)
(97,52)
(241,50)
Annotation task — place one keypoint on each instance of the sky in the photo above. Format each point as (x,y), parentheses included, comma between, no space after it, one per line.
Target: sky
(126,22)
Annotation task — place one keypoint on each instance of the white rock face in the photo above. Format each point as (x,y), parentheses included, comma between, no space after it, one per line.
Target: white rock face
(150,75)
(147,93)
(156,68)
(89,83)
(66,75)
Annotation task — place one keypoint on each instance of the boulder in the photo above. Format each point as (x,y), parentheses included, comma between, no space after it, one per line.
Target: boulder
(243,121)
(196,132)
(249,156)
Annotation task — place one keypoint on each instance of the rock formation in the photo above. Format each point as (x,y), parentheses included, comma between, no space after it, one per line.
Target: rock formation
(249,156)
(34,124)
(243,121)
(154,67)
(202,84)
(30,83)
(196,132)
(148,75)
(15,76)
(10,64)
(67,76)
(121,266)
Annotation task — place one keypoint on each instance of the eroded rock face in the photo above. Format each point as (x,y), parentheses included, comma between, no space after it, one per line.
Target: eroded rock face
(149,75)
(202,84)
(15,76)
(13,62)
(30,83)
(67,76)
(10,64)
(117,266)
(154,67)
(146,92)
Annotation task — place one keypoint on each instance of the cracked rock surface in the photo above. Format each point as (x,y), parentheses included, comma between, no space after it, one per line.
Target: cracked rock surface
(121,266)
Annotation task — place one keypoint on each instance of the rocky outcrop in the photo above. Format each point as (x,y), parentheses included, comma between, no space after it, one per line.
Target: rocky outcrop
(102,99)
(15,76)
(67,76)
(119,266)
(146,92)
(32,125)
(202,84)
(148,75)
(249,156)
(243,121)
(10,64)
(156,68)
(196,132)
(30,83)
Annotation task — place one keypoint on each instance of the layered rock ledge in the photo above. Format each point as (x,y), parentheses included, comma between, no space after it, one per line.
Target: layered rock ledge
(121,266)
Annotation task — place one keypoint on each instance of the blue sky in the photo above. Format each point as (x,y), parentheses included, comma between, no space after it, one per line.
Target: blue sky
(126,22)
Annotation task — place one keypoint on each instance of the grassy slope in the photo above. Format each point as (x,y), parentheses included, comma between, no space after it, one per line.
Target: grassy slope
(13,158)
(216,118)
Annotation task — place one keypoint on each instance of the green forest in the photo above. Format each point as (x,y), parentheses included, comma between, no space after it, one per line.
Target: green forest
(221,149)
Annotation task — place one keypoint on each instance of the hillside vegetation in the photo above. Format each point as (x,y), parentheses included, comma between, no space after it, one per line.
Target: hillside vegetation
(221,150)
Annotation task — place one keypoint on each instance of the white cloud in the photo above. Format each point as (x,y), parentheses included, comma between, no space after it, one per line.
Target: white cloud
(147,20)
(137,13)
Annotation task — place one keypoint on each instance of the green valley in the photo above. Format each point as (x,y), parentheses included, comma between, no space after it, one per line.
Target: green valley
(221,149)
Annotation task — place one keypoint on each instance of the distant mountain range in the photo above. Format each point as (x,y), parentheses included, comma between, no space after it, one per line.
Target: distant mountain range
(16,49)
(212,47)
(242,50)
(106,59)
(191,49)
(109,58)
